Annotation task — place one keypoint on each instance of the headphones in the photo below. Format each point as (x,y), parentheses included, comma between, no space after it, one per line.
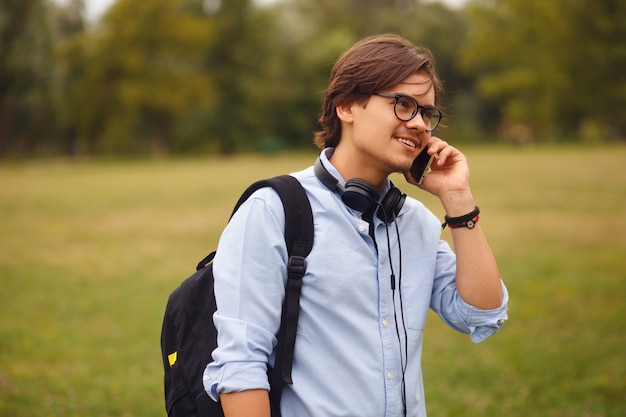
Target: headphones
(361,195)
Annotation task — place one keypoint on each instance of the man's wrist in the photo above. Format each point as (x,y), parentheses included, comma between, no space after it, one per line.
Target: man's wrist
(458,204)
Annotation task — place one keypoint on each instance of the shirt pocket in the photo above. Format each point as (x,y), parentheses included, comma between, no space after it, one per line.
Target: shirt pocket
(416,294)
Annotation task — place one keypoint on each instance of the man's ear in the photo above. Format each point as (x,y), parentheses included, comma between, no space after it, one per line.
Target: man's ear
(344,112)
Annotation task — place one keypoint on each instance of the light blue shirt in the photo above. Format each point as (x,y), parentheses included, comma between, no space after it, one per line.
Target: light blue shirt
(350,356)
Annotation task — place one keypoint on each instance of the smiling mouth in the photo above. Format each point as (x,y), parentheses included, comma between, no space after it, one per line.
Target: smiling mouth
(407,142)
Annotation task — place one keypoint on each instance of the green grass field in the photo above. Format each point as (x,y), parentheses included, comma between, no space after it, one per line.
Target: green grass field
(89,252)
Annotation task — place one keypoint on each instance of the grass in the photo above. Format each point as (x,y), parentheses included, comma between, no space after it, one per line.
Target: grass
(89,252)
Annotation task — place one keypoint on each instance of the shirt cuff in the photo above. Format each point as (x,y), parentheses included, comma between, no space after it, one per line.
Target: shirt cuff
(233,377)
(484,323)
(210,385)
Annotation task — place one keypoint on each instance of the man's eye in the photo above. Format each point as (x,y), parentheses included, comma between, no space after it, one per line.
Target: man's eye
(428,112)
(403,102)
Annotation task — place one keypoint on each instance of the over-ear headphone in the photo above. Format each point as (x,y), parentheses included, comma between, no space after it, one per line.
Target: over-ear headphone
(361,195)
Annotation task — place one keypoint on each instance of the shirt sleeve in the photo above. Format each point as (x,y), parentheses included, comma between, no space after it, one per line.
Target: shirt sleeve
(249,272)
(454,311)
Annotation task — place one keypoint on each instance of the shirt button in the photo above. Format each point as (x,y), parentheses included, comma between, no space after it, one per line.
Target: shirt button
(389,375)
(500,322)
(362,229)
(385,323)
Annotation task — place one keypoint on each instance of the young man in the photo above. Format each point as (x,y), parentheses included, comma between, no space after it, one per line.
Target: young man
(378,262)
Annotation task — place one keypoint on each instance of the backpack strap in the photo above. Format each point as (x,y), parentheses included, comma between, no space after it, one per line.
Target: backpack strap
(299,240)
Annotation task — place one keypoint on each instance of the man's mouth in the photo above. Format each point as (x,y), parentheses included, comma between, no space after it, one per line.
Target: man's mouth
(407,142)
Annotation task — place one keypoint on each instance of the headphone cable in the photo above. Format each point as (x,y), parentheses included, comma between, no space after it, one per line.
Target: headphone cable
(404,356)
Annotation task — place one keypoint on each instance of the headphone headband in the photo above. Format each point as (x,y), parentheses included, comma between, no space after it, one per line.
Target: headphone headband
(326,177)
(361,195)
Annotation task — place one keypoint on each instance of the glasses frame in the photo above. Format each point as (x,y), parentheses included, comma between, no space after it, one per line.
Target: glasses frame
(418,107)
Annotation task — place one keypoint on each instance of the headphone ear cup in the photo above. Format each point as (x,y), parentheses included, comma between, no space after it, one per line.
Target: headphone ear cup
(391,205)
(359,195)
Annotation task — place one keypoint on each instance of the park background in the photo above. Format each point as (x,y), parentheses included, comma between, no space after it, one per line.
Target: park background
(125,139)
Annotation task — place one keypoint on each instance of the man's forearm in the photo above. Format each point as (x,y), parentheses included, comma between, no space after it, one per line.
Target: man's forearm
(477,275)
(250,403)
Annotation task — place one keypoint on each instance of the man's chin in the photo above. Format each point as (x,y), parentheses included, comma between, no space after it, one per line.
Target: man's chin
(402,169)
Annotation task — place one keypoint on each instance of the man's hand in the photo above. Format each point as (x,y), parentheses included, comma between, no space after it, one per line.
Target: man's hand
(448,178)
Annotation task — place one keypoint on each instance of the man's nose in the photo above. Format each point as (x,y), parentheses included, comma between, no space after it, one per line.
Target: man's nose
(418,123)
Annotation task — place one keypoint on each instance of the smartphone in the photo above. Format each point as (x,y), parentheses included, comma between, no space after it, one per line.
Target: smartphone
(421,165)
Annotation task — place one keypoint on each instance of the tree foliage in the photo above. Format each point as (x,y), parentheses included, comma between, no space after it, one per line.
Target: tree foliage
(26,103)
(172,76)
(139,73)
(551,66)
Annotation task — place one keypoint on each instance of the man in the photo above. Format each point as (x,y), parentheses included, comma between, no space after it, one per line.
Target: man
(378,262)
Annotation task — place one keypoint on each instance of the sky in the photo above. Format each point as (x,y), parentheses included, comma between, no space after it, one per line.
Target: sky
(95,8)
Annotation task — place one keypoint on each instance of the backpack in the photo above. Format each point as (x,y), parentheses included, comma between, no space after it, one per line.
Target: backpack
(188,336)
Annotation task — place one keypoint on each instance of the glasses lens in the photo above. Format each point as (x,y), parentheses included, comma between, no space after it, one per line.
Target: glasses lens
(405,108)
(431,116)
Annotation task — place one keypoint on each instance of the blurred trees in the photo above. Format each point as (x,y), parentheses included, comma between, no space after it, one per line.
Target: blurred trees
(555,68)
(26,97)
(179,76)
(137,75)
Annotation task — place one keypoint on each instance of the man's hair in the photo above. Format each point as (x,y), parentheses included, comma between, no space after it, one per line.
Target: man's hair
(371,65)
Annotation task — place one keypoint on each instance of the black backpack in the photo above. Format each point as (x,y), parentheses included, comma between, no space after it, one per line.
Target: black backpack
(188,336)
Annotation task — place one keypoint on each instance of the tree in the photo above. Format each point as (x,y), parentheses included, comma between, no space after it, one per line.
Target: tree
(235,63)
(26,107)
(68,35)
(546,63)
(137,74)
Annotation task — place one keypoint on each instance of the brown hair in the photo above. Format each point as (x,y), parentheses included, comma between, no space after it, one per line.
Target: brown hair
(371,65)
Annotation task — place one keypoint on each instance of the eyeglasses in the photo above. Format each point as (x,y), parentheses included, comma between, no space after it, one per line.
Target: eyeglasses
(406,108)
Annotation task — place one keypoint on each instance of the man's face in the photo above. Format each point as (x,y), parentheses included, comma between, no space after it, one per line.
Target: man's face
(377,140)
